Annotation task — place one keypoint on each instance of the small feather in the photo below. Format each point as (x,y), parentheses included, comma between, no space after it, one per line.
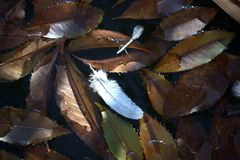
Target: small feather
(236,89)
(137,32)
(114,96)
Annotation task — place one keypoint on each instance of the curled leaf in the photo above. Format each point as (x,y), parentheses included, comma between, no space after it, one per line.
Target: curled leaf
(121,137)
(157,141)
(24,127)
(195,51)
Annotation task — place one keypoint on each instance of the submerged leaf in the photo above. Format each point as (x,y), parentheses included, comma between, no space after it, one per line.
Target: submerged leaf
(195,51)
(121,137)
(24,127)
(8,156)
(157,142)
(185,23)
(78,109)
(42,153)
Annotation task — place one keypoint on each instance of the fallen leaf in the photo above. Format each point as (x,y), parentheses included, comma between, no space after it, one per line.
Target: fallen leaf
(68,20)
(157,88)
(18,63)
(224,130)
(157,141)
(198,89)
(167,7)
(41,83)
(8,156)
(184,23)
(121,137)
(25,129)
(195,51)
(192,132)
(141,9)
(42,153)
(231,7)
(100,39)
(77,107)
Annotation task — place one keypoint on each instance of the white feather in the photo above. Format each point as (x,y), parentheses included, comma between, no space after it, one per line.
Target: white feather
(236,89)
(114,96)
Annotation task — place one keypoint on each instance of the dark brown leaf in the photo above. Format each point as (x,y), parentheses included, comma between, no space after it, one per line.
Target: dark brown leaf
(195,51)
(198,89)
(24,127)
(184,23)
(42,153)
(77,106)
(224,132)
(8,156)
(19,62)
(41,83)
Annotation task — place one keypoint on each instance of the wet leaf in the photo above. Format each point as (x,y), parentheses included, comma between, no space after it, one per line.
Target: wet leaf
(232,7)
(76,105)
(195,51)
(185,23)
(18,63)
(224,131)
(121,137)
(166,7)
(141,9)
(100,39)
(198,89)
(8,156)
(24,128)
(157,87)
(42,153)
(68,19)
(157,141)
(41,83)
(124,63)
(192,132)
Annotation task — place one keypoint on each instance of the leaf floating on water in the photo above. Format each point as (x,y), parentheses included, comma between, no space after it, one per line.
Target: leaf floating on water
(42,153)
(199,88)
(231,7)
(185,23)
(78,108)
(8,156)
(195,51)
(121,137)
(167,7)
(25,129)
(157,87)
(141,9)
(114,96)
(68,19)
(18,63)
(41,83)
(157,141)
(100,39)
